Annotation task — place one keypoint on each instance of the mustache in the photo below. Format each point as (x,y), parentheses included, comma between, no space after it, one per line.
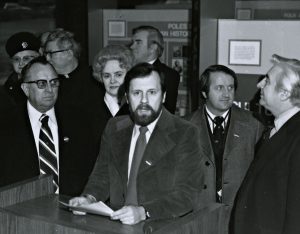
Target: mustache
(144,107)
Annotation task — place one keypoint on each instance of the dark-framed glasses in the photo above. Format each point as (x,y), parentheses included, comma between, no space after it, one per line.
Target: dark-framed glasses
(42,84)
(54,52)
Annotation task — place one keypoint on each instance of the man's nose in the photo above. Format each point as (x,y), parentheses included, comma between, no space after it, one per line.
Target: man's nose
(132,46)
(144,98)
(49,88)
(226,92)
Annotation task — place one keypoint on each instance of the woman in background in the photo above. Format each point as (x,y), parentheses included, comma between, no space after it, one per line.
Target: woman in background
(109,68)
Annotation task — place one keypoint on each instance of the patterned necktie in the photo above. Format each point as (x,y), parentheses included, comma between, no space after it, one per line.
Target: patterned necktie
(47,153)
(218,129)
(131,196)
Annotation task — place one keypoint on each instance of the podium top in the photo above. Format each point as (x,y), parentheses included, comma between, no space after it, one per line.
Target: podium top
(45,215)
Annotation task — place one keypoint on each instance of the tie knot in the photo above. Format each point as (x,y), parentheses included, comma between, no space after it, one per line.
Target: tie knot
(218,120)
(44,119)
(143,130)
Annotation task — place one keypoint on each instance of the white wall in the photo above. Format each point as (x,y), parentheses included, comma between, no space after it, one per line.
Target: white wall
(280,37)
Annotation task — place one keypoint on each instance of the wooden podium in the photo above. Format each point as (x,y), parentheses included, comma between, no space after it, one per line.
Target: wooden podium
(32,207)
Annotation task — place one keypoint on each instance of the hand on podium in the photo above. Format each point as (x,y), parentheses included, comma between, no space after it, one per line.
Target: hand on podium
(129,214)
(79,201)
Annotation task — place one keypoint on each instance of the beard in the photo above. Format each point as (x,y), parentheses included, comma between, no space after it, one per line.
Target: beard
(144,114)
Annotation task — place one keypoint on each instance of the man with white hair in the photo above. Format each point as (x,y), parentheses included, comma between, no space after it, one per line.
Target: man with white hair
(268,200)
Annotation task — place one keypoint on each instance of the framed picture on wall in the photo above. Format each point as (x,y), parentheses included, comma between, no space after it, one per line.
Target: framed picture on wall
(116,28)
(244,52)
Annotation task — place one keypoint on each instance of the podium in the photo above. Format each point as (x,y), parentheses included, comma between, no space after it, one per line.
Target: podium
(32,207)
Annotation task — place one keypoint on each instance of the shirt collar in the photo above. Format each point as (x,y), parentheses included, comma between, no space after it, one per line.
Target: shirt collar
(285,116)
(110,99)
(224,115)
(35,115)
(152,61)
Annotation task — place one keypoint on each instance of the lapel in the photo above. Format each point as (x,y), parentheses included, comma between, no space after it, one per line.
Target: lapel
(270,148)
(160,142)
(28,142)
(199,119)
(235,131)
(121,140)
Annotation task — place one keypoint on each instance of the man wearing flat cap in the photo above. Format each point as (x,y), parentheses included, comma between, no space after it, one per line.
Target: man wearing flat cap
(21,47)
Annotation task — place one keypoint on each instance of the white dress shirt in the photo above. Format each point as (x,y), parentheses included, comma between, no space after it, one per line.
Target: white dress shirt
(112,104)
(134,137)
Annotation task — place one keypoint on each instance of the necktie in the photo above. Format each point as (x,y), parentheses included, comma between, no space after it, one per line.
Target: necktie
(218,129)
(131,196)
(47,154)
(218,140)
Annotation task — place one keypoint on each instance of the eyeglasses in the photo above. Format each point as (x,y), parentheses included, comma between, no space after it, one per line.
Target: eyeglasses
(54,52)
(42,84)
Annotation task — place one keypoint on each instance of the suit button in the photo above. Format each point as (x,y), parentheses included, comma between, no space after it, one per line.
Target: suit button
(205,186)
(207,163)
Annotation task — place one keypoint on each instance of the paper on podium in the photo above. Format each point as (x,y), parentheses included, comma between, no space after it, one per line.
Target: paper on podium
(98,208)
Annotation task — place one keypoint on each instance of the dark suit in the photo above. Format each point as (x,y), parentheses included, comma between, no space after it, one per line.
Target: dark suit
(77,152)
(268,201)
(169,174)
(243,133)
(172,80)
(13,88)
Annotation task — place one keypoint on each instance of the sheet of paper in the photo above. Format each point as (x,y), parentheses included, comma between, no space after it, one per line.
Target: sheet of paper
(98,208)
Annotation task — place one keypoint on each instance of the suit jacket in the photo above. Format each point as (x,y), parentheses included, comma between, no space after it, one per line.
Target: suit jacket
(172,80)
(268,201)
(77,152)
(243,133)
(169,175)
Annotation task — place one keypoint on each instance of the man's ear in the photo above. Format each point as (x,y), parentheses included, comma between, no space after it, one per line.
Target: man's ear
(25,89)
(284,95)
(204,95)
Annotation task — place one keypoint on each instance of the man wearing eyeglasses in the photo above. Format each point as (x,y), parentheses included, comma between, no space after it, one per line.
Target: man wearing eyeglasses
(63,52)
(21,47)
(80,94)
(38,139)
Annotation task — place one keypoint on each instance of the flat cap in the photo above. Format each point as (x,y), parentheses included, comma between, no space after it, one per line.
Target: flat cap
(22,41)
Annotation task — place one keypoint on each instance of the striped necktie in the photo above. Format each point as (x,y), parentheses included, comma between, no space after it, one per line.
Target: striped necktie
(47,153)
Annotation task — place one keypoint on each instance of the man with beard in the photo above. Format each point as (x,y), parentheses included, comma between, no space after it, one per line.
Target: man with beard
(228,135)
(164,182)
(268,200)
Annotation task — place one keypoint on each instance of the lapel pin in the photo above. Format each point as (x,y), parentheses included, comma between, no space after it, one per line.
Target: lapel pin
(236,135)
(66,139)
(149,163)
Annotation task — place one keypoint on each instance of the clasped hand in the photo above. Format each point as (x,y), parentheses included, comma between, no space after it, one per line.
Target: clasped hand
(129,214)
